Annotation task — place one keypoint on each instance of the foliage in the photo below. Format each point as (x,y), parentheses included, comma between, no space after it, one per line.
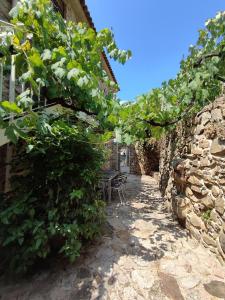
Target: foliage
(54,203)
(197,83)
(206,215)
(57,60)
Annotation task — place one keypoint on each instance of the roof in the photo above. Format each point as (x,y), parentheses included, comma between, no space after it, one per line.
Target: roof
(91,23)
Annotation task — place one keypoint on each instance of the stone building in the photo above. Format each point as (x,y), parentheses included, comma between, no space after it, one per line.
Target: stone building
(74,10)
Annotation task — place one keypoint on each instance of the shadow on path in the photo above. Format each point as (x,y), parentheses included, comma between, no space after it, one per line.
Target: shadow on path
(137,257)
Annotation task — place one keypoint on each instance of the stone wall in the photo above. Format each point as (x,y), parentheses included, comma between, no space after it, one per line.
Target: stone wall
(113,156)
(192,169)
(144,158)
(5,7)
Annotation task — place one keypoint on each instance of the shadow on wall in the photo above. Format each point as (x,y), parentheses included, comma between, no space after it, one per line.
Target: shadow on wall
(144,158)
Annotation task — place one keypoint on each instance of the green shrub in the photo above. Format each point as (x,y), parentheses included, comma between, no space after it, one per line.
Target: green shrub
(53,204)
(206,215)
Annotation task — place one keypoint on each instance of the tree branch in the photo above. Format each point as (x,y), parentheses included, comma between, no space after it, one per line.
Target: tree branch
(169,123)
(75,108)
(209,55)
(220,78)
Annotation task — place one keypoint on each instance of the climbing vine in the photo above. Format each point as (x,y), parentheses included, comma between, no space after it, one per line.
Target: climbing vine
(199,81)
(53,204)
(57,60)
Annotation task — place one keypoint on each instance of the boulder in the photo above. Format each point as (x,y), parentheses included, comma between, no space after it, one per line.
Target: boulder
(205,162)
(223,112)
(220,130)
(205,118)
(217,147)
(215,191)
(222,241)
(216,114)
(194,233)
(215,217)
(199,129)
(188,192)
(203,143)
(220,205)
(182,207)
(207,201)
(208,240)
(195,180)
(199,190)
(196,151)
(196,221)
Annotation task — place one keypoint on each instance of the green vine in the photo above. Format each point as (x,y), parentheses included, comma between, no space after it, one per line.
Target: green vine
(53,205)
(198,82)
(56,60)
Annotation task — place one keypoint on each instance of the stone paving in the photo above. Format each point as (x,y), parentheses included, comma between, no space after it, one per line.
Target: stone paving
(143,254)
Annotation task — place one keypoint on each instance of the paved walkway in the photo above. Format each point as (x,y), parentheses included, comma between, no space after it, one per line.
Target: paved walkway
(143,254)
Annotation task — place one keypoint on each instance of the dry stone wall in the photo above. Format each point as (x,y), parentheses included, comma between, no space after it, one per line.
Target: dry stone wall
(144,158)
(192,169)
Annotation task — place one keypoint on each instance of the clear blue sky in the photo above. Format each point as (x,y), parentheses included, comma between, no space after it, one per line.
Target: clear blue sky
(158,32)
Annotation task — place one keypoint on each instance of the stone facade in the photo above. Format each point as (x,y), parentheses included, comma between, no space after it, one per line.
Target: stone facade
(113,156)
(192,169)
(144,158)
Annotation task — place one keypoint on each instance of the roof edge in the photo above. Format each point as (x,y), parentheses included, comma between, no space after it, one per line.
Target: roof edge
(92,25)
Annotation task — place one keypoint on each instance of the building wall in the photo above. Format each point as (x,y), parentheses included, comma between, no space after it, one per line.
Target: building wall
(5,7)
(113,156)
(192,172)
(144,158)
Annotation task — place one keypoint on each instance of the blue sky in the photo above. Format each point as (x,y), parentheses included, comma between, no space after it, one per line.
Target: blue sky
(158,32)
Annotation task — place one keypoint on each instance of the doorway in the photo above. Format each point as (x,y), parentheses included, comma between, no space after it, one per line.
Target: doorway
(125,159)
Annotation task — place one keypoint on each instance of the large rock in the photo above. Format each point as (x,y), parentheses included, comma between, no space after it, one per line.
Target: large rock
(222,241)
(207,201)
(205,118)
(208,240)
(199,189)
(203,143)
(196,150)
(214,216)
(195,180)
(195,233)
(182,207)
(216,114)
(206,162)
(215,288)
(196,221)
(220,205)
(215,191)
(220,130)
(217,147)
(199,129)
(188,192)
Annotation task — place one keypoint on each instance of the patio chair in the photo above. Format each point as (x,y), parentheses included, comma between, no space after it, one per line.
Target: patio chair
(118,186)
(123,178)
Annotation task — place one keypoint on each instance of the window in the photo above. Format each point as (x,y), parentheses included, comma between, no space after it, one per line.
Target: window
(60,6)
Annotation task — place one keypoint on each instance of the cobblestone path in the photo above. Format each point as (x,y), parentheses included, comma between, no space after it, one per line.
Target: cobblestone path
(143,254)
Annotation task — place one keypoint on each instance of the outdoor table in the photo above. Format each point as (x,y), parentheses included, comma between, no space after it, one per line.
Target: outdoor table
(108,176)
